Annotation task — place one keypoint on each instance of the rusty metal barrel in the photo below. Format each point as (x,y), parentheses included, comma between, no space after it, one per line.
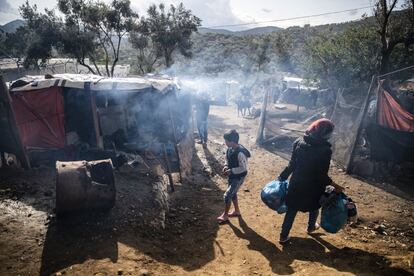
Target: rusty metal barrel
(84,186)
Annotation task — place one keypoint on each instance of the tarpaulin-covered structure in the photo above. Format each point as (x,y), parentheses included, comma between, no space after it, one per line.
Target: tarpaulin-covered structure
(391,134)
(68,116)
(40,118)
(391,114)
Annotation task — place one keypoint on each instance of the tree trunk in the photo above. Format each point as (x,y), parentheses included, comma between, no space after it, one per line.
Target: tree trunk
(113,67)
(385,62)
(167,56)
(87,66)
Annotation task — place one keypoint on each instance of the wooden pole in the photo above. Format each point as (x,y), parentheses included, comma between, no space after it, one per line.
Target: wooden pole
(355,139)
(259,136)
(99,141)
(175,140)
(20,150)
(167,161)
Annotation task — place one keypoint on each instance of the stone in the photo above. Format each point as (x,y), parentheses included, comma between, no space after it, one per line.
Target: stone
(380,228)
(143,272)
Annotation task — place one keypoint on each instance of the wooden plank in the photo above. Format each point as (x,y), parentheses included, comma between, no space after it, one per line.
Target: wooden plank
(20,150)
(185,149)
(175,140)
(99,140)
(292,129)
(259,136)
(167,161)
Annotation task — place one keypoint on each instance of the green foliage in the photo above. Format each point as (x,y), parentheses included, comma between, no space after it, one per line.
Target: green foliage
(334,55)
(88,30)
(283,46)
(395,29)
(170,30)
(147,53)
(41,34)
(15,44)
(342,60)
(95,30)
(260,48)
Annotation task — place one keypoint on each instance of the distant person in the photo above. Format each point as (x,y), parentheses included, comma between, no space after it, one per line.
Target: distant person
(247,104)
(243,104)
(236,170)
(309,167)
(240,107)
(202,111)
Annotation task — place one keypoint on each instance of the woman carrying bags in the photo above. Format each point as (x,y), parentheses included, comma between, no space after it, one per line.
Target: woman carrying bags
(309,167)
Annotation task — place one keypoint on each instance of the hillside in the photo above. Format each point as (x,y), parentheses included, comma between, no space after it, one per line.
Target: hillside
(223,51)
(12,26)
(253,31)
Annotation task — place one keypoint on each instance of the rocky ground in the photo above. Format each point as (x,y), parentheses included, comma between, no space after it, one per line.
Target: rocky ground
(126,240)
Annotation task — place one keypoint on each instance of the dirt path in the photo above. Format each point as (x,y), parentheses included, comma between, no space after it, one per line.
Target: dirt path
(382,243)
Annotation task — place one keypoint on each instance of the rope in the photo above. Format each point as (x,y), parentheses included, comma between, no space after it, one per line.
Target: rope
(396,71)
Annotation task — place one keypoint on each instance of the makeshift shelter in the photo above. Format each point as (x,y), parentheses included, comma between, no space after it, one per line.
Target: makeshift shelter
(391,132)
(370,126)
(87,117)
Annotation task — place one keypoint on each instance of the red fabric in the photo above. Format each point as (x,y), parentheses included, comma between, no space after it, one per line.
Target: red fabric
(40,117)
(390,113)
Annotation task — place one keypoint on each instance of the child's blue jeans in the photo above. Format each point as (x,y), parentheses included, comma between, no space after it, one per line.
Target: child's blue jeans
(290,218)
(232,189)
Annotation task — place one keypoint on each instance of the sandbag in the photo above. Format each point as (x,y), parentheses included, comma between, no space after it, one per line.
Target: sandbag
(334,211)
(273,195)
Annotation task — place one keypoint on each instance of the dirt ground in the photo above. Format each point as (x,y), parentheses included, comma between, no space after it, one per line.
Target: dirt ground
(124,241)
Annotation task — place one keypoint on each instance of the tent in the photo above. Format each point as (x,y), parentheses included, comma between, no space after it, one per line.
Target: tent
(73,117)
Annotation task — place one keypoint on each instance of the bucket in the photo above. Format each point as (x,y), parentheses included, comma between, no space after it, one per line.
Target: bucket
(84,186)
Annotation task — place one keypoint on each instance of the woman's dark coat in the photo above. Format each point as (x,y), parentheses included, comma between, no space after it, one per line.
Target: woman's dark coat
(309,167)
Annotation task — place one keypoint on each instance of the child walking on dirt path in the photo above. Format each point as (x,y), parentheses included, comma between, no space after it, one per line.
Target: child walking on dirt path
(309,167)
(236,170)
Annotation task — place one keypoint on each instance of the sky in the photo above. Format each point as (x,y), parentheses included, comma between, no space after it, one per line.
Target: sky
(217,13)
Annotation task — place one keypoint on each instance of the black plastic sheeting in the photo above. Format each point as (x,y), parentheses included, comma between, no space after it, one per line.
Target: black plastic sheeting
(389,144)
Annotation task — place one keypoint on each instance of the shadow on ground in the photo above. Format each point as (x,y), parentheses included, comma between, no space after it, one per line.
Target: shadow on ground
(194,207)
(315,249)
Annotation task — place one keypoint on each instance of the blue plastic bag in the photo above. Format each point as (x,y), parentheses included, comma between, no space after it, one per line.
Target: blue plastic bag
(334,212)
(273,195)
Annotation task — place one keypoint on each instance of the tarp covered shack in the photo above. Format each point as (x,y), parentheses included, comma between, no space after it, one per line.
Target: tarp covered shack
(73,117)
(391,133)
